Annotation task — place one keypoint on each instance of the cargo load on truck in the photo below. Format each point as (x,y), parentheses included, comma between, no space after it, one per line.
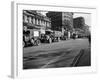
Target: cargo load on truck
(58,33)
(50,36)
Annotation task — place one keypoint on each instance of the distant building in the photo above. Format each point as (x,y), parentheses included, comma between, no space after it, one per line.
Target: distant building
(61,21)
(79,22)
(33,20)
(80,26)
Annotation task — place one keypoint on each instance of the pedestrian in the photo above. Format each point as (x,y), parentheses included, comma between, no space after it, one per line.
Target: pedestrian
(89,39)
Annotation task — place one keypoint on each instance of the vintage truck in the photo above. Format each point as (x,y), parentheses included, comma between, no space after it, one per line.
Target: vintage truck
(57,35)
(50,36)
(30,40)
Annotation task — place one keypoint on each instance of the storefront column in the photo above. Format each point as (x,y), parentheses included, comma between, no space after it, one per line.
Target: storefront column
(33,20)
(40,21)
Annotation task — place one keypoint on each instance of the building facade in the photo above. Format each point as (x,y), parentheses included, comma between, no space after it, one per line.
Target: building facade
(33,20)
(79,22)
(61,20)
(67,20)
(80,26)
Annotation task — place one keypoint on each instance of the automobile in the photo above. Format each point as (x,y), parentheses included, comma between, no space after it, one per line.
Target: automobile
(74,36)
(63,37)
(46,38)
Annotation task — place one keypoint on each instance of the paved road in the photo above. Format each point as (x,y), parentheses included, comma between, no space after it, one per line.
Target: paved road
(84,59)
(58,54)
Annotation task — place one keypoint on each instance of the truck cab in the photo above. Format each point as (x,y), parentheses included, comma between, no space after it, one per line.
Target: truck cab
(47,37)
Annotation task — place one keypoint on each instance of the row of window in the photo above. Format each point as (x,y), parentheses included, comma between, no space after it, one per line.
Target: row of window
(32,20)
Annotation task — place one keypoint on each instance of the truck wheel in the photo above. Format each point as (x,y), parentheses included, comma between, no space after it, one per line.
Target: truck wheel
(38,42)
(32,42)
(50,40)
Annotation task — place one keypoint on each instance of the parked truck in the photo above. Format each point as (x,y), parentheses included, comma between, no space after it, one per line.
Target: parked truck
(47,37)
(30,40)
(50,36)
(58,35)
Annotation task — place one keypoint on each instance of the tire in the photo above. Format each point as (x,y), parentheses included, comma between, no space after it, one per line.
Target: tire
(50,40)
(35,43)
(38,42)
(32,42)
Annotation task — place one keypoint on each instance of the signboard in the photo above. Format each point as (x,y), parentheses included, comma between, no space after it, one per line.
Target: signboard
(36,33)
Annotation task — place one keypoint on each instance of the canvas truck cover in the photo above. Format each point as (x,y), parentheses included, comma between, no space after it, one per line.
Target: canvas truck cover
(57,33)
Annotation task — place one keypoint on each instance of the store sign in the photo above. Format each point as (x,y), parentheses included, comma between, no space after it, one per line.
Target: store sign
(42,31)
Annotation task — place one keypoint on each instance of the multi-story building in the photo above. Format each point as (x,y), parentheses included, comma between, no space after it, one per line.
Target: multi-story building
(61,20)
(33,20)
(79,22)
(80,26)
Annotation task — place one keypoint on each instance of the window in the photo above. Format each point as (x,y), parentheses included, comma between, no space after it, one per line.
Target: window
(30,20)
(25,18)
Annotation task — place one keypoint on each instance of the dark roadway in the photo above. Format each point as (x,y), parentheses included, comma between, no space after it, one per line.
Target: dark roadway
(57,54)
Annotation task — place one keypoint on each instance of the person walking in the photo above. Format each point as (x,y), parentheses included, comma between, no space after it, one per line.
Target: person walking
(89,39)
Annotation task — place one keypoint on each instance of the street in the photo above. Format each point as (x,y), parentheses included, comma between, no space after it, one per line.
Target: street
(56,54)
